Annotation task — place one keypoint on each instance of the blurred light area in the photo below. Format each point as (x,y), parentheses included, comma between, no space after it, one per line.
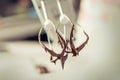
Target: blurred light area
(101,19)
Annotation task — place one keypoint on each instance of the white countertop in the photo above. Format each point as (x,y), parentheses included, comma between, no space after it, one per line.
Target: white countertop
(27,54)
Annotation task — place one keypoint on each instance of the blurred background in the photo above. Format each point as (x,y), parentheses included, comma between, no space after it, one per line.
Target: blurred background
(18,19)
(19,27)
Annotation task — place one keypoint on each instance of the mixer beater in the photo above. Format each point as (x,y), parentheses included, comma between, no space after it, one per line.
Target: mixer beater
(66,44)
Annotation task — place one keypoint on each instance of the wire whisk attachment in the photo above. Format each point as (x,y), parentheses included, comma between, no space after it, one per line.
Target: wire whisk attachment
(67,45)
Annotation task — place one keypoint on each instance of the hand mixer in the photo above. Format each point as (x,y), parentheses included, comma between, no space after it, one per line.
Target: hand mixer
(67,45)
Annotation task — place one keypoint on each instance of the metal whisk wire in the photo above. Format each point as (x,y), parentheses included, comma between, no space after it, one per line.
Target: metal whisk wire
(63,19)
(46,22)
